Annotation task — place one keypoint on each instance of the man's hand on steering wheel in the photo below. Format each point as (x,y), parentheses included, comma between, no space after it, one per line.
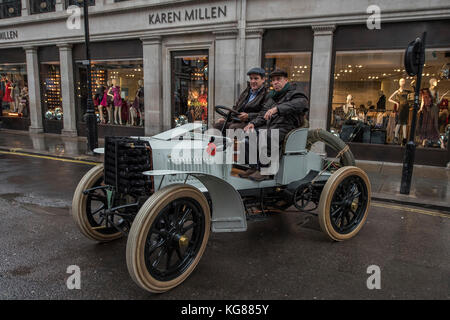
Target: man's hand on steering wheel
(230,115)
(243,116)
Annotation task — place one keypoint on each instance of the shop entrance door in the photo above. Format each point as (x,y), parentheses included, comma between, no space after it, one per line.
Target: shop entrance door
(189,75)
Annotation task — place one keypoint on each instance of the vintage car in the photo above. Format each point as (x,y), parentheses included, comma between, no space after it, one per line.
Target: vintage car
(168,208)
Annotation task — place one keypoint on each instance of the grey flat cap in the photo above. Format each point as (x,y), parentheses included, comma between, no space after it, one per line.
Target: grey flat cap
(257,70)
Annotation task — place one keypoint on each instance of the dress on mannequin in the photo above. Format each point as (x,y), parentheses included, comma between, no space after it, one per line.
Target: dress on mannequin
(8,88)
(117,104)
(117,97)
(403,106)
(140,107)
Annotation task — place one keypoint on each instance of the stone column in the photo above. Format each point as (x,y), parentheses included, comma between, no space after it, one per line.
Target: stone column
(59,5)
(67,90)
(25,7)
(253,49)
(320,77)
(225,68)
(100,3)
(153,98)
(34,90)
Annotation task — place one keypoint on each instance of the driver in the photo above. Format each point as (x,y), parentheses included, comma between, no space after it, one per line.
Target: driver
(284,110)
(250,101)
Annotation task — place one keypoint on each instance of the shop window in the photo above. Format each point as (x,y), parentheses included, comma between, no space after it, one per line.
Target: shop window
(10,8)
(42,6)
(373,98)
(118,92)
(14,91)
(51,91)
(189,88)
(79,3)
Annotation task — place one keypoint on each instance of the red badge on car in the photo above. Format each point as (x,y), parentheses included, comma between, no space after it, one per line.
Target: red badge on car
(211,149)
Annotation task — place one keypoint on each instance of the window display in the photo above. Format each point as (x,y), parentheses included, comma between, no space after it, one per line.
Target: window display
(118,92)
(297,65)
(373,98)
(14,91)
(51,91)
(190,88)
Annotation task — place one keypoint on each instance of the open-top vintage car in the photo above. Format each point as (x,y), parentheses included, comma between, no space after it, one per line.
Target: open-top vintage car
(168,207)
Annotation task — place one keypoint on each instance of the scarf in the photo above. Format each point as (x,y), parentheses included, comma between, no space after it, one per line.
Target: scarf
(276,95)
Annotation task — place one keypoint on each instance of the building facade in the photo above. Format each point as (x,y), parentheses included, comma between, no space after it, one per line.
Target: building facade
(158,63)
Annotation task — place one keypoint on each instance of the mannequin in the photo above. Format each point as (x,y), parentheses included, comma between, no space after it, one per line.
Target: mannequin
(110,101)
(8,91)
(132,113)
(140,98)
(15,96)
(349,107)
(98,100)
(429,108)
(23,100)
(114,93)
(107,102)
(400,98)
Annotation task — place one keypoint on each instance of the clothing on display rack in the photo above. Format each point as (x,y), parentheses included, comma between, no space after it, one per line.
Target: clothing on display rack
(403,106)
(429,129)
(390,128)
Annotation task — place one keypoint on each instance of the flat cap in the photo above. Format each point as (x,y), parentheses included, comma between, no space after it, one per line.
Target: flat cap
(279,72)
(257,70)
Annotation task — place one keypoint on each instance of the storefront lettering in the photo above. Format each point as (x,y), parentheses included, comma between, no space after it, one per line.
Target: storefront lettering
(189,15)
(9,35)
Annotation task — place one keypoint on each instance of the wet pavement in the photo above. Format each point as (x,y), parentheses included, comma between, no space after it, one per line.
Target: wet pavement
(430,186)
(47,144)
(285,256)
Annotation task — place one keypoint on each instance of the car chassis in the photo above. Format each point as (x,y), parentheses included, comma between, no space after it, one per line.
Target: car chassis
(167,209)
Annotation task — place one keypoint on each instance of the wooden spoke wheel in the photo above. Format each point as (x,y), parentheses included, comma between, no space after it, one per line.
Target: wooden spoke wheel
(168,237)
(344,203)
(89,210)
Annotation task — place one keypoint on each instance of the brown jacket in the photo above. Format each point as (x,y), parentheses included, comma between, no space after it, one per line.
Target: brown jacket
(253,107)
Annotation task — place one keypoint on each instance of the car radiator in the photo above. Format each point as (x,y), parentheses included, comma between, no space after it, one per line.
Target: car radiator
(125,161)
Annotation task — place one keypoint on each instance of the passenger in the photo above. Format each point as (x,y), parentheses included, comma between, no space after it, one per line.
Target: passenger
(250,101)
(284,110)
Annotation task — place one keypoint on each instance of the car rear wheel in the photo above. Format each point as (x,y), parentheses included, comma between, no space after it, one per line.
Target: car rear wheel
(168,237)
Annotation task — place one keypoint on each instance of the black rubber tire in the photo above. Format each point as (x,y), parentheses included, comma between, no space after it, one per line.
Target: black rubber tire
(140,228)
(326,198)
(335,143)
(79,210)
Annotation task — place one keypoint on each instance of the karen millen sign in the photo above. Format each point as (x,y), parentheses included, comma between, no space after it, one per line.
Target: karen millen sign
(9,35)
(199,14)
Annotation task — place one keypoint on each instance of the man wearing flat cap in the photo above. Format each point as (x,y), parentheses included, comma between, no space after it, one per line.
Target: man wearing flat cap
(250,101)
(284,110)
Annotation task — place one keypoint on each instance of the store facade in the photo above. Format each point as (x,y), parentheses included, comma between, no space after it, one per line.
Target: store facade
(159,64)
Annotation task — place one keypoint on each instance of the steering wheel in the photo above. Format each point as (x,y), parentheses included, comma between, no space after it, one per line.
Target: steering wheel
(230,115)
